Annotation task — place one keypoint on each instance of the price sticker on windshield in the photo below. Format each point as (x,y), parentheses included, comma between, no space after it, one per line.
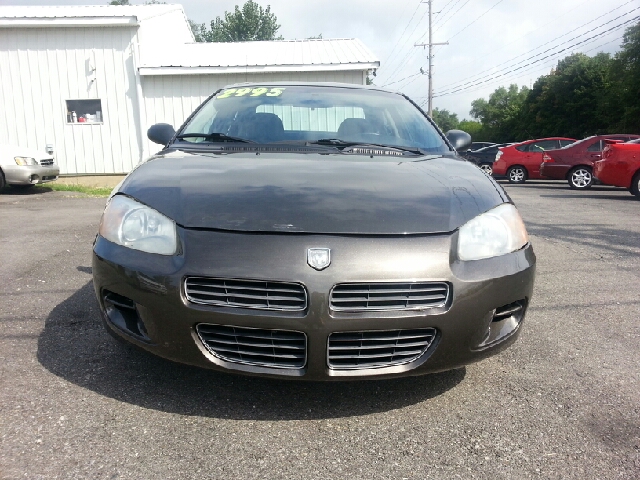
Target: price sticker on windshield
(251,92)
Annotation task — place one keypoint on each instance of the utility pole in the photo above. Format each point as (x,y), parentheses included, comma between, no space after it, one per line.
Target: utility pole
(430,45)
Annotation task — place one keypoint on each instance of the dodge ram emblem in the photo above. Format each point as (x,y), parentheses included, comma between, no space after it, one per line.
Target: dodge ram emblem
(319,258)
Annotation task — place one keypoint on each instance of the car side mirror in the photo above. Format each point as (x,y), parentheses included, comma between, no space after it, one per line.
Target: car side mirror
(459,139)
(161,133)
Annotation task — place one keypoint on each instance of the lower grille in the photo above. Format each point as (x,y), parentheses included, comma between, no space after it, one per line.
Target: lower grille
(46,161)
(376,349)
(255,346)
(357,297)
(257,294)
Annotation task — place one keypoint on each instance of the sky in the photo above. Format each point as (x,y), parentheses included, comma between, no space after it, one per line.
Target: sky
(492,43)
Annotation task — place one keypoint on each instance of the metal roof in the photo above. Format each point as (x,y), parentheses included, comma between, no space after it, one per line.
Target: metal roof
(250,57)
(81,15)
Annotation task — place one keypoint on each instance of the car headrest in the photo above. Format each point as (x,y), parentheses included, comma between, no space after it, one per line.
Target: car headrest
(261,127)
(353,127)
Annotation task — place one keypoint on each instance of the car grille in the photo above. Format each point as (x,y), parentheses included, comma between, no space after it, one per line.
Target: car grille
(362,350)
(254,346)
(258,294)
(46,161)
(356,297)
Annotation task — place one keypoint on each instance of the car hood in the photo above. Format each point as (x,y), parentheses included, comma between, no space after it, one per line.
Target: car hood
(313,193)
(10,151)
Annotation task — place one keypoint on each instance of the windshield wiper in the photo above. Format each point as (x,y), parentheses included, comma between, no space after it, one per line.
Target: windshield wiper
(214,137)
(337,142)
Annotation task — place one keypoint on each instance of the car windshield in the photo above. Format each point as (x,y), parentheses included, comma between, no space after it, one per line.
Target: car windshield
(335,116)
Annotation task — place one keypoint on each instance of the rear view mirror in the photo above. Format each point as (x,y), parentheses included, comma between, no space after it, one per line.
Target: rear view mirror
(161,133)
(459,139)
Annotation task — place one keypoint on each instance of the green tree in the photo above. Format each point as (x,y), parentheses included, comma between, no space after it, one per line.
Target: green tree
(119,2)
(474,129)
(625,75)
(199,31)
(250,23)
(574,100)
(500,114)
(445,119)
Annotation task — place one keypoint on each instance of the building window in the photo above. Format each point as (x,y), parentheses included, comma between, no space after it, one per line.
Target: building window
(84,111)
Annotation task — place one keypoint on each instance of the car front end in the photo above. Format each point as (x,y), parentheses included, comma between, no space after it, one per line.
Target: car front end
(320,255)
(25,167)
(249,299)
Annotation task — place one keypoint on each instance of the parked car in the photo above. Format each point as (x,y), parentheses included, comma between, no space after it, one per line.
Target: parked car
(574,163)
(22,167)
(484,157)
(346,241)
(521,162)
(478,145)
(620,166)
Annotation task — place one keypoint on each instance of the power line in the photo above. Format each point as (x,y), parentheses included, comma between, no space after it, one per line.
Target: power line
(552,40)
(492,79)
(450,17)
(403,61)
(401,80)
(477,18)
(548,62)
(479,76)
(405,29)
(442,13)
(463,88)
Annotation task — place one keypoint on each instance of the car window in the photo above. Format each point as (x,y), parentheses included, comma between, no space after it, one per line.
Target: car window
(565,143)
(594,147)
(522,148)
(543,145)
(299,114)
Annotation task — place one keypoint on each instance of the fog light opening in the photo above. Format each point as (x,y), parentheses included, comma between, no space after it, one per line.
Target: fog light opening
(121,312)
(34,179)
(515,309)
(505,322)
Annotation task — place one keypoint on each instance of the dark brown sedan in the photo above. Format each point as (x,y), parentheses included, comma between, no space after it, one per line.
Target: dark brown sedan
(313,232)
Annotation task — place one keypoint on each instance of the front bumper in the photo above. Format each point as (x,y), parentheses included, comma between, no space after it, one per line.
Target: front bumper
(465,326)
(30,174)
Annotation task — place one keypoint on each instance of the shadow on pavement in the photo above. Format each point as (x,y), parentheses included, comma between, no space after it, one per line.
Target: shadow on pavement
(75,347)
(606,238)
(24,190)
(620,198)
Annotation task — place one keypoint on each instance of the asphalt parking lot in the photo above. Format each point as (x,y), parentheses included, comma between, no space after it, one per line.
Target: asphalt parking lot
(563,402)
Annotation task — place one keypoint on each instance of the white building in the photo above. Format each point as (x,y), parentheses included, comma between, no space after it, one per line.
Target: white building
(90,80)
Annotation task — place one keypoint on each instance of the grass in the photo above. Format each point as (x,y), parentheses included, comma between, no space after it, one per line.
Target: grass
(64,187)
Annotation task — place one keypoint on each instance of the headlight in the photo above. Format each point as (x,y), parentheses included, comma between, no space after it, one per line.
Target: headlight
(496,232)
(134,225)
(24,161)
(498,155)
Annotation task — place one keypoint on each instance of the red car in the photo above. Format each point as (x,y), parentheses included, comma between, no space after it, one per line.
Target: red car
(575,162)
(521,161)
(620,166)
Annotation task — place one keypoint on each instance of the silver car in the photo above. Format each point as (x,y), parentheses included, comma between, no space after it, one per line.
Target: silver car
(26,167)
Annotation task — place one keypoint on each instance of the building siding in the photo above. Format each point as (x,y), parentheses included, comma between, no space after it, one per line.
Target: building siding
(41,68)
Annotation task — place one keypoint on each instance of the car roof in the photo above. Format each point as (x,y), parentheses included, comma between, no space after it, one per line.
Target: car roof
(601,137)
